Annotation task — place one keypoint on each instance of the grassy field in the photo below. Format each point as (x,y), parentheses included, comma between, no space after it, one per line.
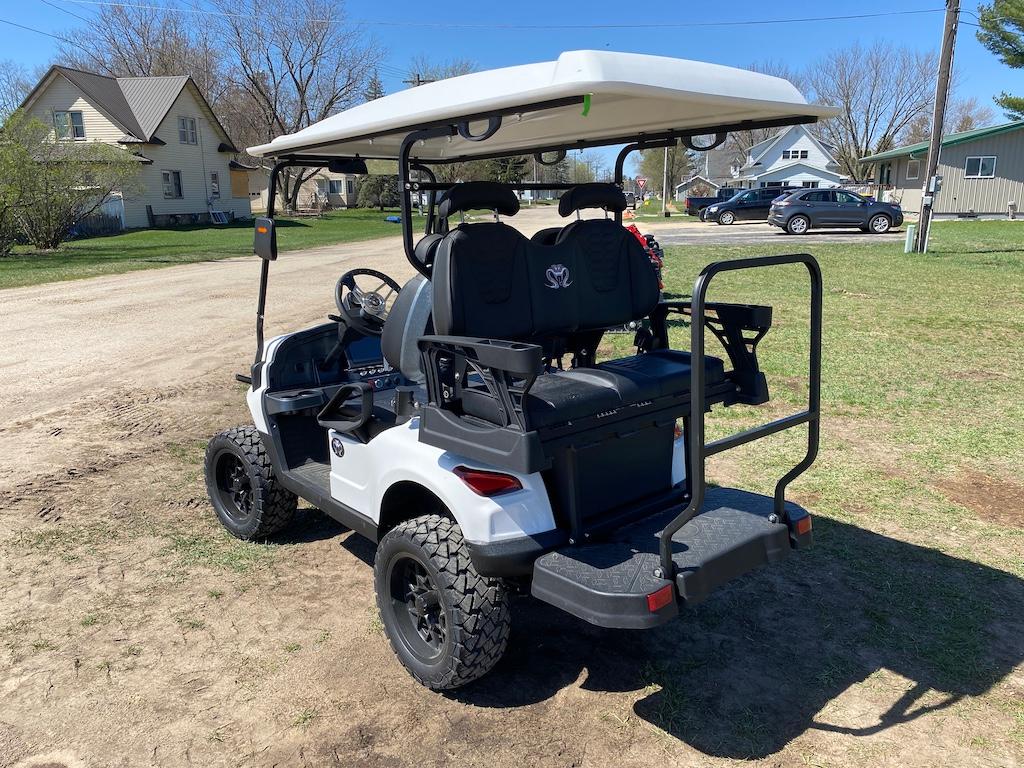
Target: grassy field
(151,248)
(917,493)
(897,640)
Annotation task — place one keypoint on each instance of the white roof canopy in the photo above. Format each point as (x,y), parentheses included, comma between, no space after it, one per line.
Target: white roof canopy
(630,94)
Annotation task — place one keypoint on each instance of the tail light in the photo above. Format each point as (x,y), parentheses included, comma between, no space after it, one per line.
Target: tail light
(486,483)
(803,525)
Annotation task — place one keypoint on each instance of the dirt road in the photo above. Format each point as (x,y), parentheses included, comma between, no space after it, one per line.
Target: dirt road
(135,632)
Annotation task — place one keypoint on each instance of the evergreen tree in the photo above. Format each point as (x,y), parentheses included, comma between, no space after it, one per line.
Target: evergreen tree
(374,86)
(1002,32)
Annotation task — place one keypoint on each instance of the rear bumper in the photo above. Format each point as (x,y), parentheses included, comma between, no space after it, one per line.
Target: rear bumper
(610,584)
(514,558)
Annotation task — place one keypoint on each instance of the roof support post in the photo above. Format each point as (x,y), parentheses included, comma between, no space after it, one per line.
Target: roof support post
(406,186)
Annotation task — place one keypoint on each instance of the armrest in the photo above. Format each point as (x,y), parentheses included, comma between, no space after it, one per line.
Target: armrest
(506,369)
(512,357)
(334,415)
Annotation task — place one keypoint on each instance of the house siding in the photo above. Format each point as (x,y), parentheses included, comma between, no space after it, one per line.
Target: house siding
(195,162)
(259,182)
(62,95)
(959,194)
(770,166)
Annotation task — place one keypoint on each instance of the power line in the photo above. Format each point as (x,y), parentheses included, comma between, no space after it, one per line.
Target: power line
(524,27)
(65,10)
(40,32)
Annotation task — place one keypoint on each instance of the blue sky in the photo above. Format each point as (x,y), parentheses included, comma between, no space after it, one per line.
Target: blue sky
(493,38)
(796,43)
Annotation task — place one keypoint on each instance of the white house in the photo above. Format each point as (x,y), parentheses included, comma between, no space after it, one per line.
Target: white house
(794,157)
(188,171)
(323,189)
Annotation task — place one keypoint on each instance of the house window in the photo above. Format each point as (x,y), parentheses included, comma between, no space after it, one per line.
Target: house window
(69,125)
(187,130)
(214,185)
(809,184)
(980,167)
(172,183)
(335,187)
(803,154)
(913,169)
(350,188)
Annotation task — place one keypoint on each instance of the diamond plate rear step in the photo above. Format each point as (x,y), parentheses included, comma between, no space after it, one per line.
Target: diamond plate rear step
(608,583)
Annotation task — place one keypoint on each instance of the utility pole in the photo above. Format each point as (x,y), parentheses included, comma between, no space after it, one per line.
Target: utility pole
(417,80)
(932,183)
(664,187)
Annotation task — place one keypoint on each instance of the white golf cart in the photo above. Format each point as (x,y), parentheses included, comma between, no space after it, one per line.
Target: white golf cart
(463,420)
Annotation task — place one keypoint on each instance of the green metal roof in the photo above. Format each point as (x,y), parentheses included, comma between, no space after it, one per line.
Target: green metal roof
(921,148)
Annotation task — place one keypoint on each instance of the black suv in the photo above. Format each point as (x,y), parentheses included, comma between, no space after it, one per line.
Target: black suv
(813,208)
(746,205)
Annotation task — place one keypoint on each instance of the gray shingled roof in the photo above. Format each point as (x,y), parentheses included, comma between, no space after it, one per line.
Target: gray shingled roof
(107,95)
(136,104)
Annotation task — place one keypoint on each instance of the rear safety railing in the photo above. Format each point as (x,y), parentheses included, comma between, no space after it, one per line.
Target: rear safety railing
(698,450)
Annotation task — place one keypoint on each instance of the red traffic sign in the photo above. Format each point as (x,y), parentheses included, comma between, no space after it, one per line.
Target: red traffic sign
(641,182)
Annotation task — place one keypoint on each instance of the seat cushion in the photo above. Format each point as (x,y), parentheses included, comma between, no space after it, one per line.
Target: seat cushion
(663,372)
(554,398)
(562,396)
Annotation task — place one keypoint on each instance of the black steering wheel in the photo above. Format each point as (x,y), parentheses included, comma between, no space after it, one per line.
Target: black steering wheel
(364,298)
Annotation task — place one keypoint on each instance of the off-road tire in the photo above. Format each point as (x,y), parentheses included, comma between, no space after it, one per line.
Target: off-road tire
(476,608)
(798,229)
(726,218)
(271,506)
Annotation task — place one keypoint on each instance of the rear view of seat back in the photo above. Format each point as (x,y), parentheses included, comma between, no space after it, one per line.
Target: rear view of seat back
(491,281)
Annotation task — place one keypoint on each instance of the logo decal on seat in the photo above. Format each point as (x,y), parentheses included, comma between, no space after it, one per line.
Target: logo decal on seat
(558,276)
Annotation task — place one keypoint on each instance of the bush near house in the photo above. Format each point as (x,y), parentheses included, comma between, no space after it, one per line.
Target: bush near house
(48,187)
(378,192)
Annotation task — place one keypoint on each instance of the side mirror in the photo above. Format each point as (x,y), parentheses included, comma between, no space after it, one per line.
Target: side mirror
(265,239)
(353,165)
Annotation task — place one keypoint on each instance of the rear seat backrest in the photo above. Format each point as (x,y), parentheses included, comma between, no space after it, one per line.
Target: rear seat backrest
(491,281)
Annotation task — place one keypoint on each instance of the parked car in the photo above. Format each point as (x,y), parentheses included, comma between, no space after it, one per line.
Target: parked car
(817,208)
(694,205)
(745,205)
(630,201)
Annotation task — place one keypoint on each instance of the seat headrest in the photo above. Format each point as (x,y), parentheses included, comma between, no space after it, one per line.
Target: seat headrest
(593,195)
(479,194)
(426,249)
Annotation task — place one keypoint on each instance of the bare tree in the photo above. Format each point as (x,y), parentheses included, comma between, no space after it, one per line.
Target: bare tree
(881,91)
(961,115)
(428,69)
(738,144)
(15,84)
(651,164)
(298,61)
(128,41)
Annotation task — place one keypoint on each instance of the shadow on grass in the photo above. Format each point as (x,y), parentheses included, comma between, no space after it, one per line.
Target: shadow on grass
(751,669)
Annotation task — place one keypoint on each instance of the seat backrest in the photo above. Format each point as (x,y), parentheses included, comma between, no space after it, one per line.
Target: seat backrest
(491,281)
(408,320)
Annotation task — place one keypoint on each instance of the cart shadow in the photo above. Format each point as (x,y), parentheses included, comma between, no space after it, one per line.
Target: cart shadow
(757,665)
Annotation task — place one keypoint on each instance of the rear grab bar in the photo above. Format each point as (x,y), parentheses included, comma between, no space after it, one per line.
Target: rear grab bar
(698,450)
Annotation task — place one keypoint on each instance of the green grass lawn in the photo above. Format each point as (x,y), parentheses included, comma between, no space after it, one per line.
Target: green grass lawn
(150,248)
(918,565)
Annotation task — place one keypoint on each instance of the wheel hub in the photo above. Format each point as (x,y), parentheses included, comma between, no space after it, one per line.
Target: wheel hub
(234,486)
(416,601)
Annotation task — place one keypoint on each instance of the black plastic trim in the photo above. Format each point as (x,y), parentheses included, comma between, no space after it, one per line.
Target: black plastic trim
(514,557)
